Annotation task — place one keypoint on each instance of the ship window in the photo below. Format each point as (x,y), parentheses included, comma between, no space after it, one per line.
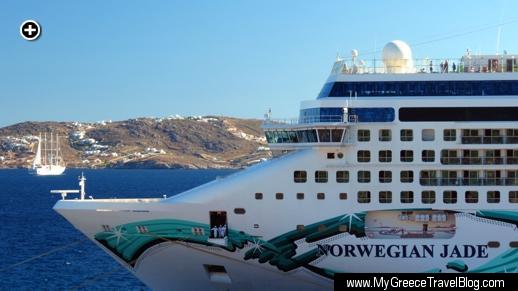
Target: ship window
(364,196)
(279,196)
(364,135)
(385,135)
(258,196)
(428,155)
(239,211)
(450,135)
(513,197)
(407,156)
(407,135)
(385,176)
(300,227)
(330,156)
(343,196)
(300,176)
(428,197)
(342,176)
(364,156)
(471,197)
(449,197)
(512,135)
(406,176)
(321,196)
(321,176)
(385,196)
(364,176)
(340,155)
(428,135)
(407,197)
(512,176)
(385,156)
(493,244)
(450,157)
(428,177)
(424,88)
(493,196)
(336,135)
(324,135)
(513,244)
(300,196)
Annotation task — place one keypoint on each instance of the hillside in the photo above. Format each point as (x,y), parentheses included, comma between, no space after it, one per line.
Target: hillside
(173,142)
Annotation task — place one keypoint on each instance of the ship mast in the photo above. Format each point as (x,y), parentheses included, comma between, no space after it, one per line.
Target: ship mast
(44,149)
(51,151)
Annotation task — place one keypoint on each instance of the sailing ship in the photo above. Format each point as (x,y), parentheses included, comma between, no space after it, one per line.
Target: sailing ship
(48,161)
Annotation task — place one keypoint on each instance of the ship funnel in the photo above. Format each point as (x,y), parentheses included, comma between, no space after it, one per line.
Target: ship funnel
(397,58)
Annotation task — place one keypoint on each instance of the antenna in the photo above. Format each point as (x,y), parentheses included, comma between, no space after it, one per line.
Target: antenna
(499,31)
(82,184)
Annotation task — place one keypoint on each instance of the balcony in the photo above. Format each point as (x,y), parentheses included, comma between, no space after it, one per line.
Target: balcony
(489,139)
(468,181)
(480,161)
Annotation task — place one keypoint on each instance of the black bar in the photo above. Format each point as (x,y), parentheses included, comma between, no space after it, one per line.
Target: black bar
(425,281)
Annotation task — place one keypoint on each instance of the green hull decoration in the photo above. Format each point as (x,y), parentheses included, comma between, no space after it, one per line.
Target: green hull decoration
(457,265)
(129,241)
(504,263)
(500,215)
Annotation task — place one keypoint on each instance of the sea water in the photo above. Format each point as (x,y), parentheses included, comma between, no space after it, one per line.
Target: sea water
(29,227)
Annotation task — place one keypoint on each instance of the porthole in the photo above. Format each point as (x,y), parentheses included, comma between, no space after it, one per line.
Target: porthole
(258,196)
(340,155)
(321,196)
(239,211)
(493,244)
(300,196)
(279,196)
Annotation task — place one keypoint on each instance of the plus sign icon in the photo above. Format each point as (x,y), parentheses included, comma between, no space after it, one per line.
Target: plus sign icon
(30,30)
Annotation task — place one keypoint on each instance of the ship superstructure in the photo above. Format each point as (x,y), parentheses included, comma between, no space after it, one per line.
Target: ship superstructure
(400,165)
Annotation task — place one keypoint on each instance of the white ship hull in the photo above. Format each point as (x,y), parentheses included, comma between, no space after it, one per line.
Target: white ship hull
(49,170)
(419,173)
(165,242)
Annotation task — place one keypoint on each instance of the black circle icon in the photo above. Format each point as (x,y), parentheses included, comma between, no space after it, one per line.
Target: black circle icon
(30,30)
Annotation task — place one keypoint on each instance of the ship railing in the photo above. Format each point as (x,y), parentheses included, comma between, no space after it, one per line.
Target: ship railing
(468,181)
(480,161)
(312,119)
(501,139)
(467,64)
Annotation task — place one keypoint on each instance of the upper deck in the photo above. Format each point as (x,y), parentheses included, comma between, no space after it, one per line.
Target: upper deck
(467,64)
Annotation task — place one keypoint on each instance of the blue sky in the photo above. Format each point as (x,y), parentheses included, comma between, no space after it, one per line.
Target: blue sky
(100,60)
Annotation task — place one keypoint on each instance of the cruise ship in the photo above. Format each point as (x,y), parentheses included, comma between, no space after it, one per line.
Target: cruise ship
(398,165)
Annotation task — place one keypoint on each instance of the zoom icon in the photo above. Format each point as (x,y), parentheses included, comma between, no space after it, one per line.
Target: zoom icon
(30,30)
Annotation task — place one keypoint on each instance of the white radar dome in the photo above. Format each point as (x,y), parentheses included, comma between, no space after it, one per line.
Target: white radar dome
(397,57)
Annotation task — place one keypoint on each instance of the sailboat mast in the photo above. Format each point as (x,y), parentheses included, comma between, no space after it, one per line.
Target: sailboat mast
(45,149)
(51,150)
(58,156)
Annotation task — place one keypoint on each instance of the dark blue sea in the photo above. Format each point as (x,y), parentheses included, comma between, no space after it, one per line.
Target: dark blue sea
(31,230)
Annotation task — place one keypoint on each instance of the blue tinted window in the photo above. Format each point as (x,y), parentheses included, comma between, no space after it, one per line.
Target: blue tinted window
(335,114)
(420,88)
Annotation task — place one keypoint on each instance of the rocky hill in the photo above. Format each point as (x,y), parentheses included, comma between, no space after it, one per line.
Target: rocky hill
(173,142)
